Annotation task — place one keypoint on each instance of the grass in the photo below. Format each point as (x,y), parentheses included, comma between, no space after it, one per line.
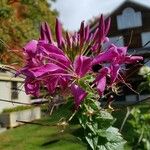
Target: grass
(18,108)
(36,137)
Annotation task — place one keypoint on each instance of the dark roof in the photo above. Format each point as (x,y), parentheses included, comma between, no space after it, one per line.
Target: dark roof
(124,4)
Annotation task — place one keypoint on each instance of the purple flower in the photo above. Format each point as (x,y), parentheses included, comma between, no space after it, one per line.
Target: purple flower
(44,70)
(59,36)
(100,35)
(108,56)
(51,83)
(101,80)
(46,34)
(63,63)
(30,48)
(103,29)
(114,57)
(114,71)
(82,65)
(32,87)
(78,93)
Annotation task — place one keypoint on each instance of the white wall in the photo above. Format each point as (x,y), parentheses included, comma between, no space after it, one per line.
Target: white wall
(5,93)
(23,97)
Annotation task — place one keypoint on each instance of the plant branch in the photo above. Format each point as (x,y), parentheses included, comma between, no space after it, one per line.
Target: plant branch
(125,118)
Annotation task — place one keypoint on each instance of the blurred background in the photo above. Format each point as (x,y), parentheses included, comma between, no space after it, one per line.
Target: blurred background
(130,26)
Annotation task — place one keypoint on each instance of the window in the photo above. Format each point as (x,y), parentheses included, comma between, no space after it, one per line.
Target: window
(14,90)
(145,39)
(129,18)
(117,40)
(2,70)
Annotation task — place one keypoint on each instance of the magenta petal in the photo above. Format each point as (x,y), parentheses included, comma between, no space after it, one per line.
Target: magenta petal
(101,80)
(78,93)
(114,72)
(107,25)
(107,56)
(30,48)
(87,32)
(42,32)
(132,59)
(122,51)
(101,85)
(32,87)
(82,33)
(51,84)
(68,39)
(59,33)
(52,48)
(94,37)
(57,54)
(82,65)
(101,32)
(48,69)
(63,82)
(48,33)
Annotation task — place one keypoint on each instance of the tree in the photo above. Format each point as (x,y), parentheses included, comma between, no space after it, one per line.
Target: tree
(20,21)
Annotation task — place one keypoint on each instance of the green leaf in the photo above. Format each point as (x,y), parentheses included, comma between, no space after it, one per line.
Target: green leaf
(114,139)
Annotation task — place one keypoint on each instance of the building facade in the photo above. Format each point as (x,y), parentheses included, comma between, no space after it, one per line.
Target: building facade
(11,89)
(130,26)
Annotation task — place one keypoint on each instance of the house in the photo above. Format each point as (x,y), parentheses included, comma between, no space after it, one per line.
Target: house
(130,26)
(11,90)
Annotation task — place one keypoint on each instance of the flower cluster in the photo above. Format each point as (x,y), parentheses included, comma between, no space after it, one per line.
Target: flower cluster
(62,63)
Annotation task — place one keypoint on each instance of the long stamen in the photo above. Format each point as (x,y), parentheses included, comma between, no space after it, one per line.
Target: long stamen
(122,80)
(56,61)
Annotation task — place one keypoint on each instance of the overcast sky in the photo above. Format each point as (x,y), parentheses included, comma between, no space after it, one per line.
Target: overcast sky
(72,12)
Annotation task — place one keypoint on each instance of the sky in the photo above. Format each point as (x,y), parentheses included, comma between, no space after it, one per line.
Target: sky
(72,12)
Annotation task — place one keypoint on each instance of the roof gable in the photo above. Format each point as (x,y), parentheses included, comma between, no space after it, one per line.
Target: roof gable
(135,5)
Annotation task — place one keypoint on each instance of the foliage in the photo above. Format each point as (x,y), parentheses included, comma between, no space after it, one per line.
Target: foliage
(98,131)
(136,128)
(140,120)
(145,85)
(97,122)
(140,123)
(43,137)
(18,108)
(20,21)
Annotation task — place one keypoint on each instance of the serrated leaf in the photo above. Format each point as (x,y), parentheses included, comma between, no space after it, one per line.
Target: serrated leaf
(114,139)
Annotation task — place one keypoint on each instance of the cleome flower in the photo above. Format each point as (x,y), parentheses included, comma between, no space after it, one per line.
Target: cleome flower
(62,63)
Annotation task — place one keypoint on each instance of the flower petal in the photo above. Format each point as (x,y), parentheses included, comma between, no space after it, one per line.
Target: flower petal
(132,59)
(40,71)
(82,65)
(51,84)
(59,36)
(122,51)
(48,33)
(101,80)
(107,56)
(30,48)
(114,72)
(107,25)
(57,54)
(32,87)
(78,93)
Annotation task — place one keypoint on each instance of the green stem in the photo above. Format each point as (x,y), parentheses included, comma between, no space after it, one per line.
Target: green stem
(125,118)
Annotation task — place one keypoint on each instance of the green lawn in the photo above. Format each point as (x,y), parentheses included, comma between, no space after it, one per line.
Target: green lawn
(36,137)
